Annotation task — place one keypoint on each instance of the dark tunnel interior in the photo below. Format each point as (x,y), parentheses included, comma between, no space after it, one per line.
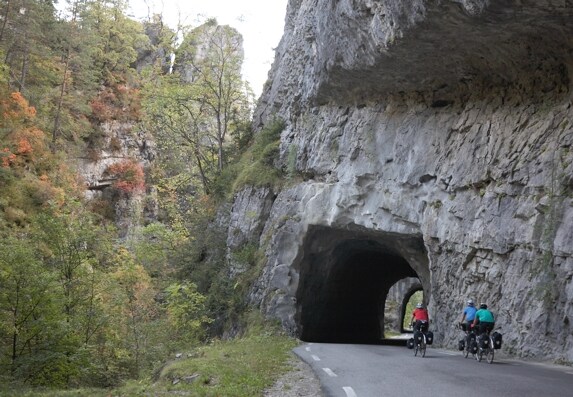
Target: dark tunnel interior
(344,279)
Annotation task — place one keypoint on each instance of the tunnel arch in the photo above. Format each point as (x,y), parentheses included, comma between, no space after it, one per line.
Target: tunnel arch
(344,278)
(413,289)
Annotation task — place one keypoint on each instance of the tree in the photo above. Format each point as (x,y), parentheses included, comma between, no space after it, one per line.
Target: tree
(134,304)
(211,58)
(187,311)
(27,306)
(179,125)
(192,112)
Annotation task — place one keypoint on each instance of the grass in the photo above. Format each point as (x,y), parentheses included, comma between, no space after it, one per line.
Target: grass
(243,367)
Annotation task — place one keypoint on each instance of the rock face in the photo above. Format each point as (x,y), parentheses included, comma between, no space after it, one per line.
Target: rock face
(433,139)
(121,143)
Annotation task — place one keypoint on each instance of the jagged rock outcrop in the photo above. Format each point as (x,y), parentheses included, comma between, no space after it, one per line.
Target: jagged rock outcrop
(121,142)
(433,139)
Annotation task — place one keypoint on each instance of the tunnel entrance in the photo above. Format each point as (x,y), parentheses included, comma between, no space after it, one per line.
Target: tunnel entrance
(399,305)
(345,276)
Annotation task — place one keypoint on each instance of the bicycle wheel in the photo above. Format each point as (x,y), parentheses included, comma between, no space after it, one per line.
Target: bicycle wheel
(490,352)
(416,347)
(479,354)
(466,351)
(423,346)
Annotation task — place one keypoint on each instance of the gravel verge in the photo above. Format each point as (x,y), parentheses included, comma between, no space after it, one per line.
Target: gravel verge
(300,381)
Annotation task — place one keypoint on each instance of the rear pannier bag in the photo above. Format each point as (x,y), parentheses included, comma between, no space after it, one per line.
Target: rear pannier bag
(410,343)
(429,337)
(496,336)
(472,336)
(418,336)
(461,345)
(483,340)
(474,347)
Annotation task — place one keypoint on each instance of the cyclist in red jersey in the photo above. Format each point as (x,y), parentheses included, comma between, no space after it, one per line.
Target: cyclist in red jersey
(420,316)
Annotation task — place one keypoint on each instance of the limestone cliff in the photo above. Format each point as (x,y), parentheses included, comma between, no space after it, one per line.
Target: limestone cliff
(432,139)
(120,142)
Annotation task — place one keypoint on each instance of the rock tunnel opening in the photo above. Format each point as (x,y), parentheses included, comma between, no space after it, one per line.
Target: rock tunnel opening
(345,276)
(400,301)
(403,315)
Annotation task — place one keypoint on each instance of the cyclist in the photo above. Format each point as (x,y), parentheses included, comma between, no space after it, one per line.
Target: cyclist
(468,316)
(420,317)
(485,319)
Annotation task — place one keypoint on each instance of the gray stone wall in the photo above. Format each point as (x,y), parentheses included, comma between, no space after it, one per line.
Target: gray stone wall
(449,120)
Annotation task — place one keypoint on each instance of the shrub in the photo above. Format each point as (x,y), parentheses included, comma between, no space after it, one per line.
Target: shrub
(129,176)
(119,102)
(257,164)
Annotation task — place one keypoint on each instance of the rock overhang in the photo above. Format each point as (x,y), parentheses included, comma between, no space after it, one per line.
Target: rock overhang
(443,47)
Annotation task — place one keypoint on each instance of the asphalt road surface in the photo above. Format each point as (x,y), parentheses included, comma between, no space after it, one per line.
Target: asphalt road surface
(348,370)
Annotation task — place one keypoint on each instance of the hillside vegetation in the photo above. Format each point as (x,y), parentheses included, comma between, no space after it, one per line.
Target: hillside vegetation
(84,301)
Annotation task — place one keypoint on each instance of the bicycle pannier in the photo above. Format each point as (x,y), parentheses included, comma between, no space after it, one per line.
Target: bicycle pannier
(461,345)
(410,343)
(483,340)
(496,336)
(429,337)
(474,347)
(418,336)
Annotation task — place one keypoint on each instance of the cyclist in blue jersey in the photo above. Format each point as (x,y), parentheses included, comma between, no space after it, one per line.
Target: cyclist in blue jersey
(468,316)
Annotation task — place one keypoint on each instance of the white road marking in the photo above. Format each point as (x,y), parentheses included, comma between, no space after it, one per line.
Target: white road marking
(349,391)
(329,372)
(315,358)
(307,349)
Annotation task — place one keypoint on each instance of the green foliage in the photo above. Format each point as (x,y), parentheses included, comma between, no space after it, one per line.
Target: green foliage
(27,309)
(89,311)
(193,112)
(187,311)
(256,166)
(241,367)
(291,160)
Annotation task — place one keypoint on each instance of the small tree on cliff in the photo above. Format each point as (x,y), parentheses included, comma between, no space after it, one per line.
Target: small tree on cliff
(212,57)
(193,112)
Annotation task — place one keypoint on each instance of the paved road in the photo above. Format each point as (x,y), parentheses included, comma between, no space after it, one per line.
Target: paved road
(378,371)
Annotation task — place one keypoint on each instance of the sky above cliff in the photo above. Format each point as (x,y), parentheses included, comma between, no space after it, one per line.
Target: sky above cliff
(261,22)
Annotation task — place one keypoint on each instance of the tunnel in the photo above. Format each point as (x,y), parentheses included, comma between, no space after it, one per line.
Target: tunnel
(405,300)
(344,277)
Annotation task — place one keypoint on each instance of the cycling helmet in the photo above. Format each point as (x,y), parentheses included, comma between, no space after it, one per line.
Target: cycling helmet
(470,302)
(419,306)
(483,306)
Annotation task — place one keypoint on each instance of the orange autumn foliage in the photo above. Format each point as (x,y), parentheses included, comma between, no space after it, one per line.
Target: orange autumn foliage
(16,108)
(129,176)
(119,102)
(27,146)
(23,138)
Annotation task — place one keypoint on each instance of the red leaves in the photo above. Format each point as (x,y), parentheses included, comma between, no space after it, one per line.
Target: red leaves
(119,102)
(129,176)
(16,108)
